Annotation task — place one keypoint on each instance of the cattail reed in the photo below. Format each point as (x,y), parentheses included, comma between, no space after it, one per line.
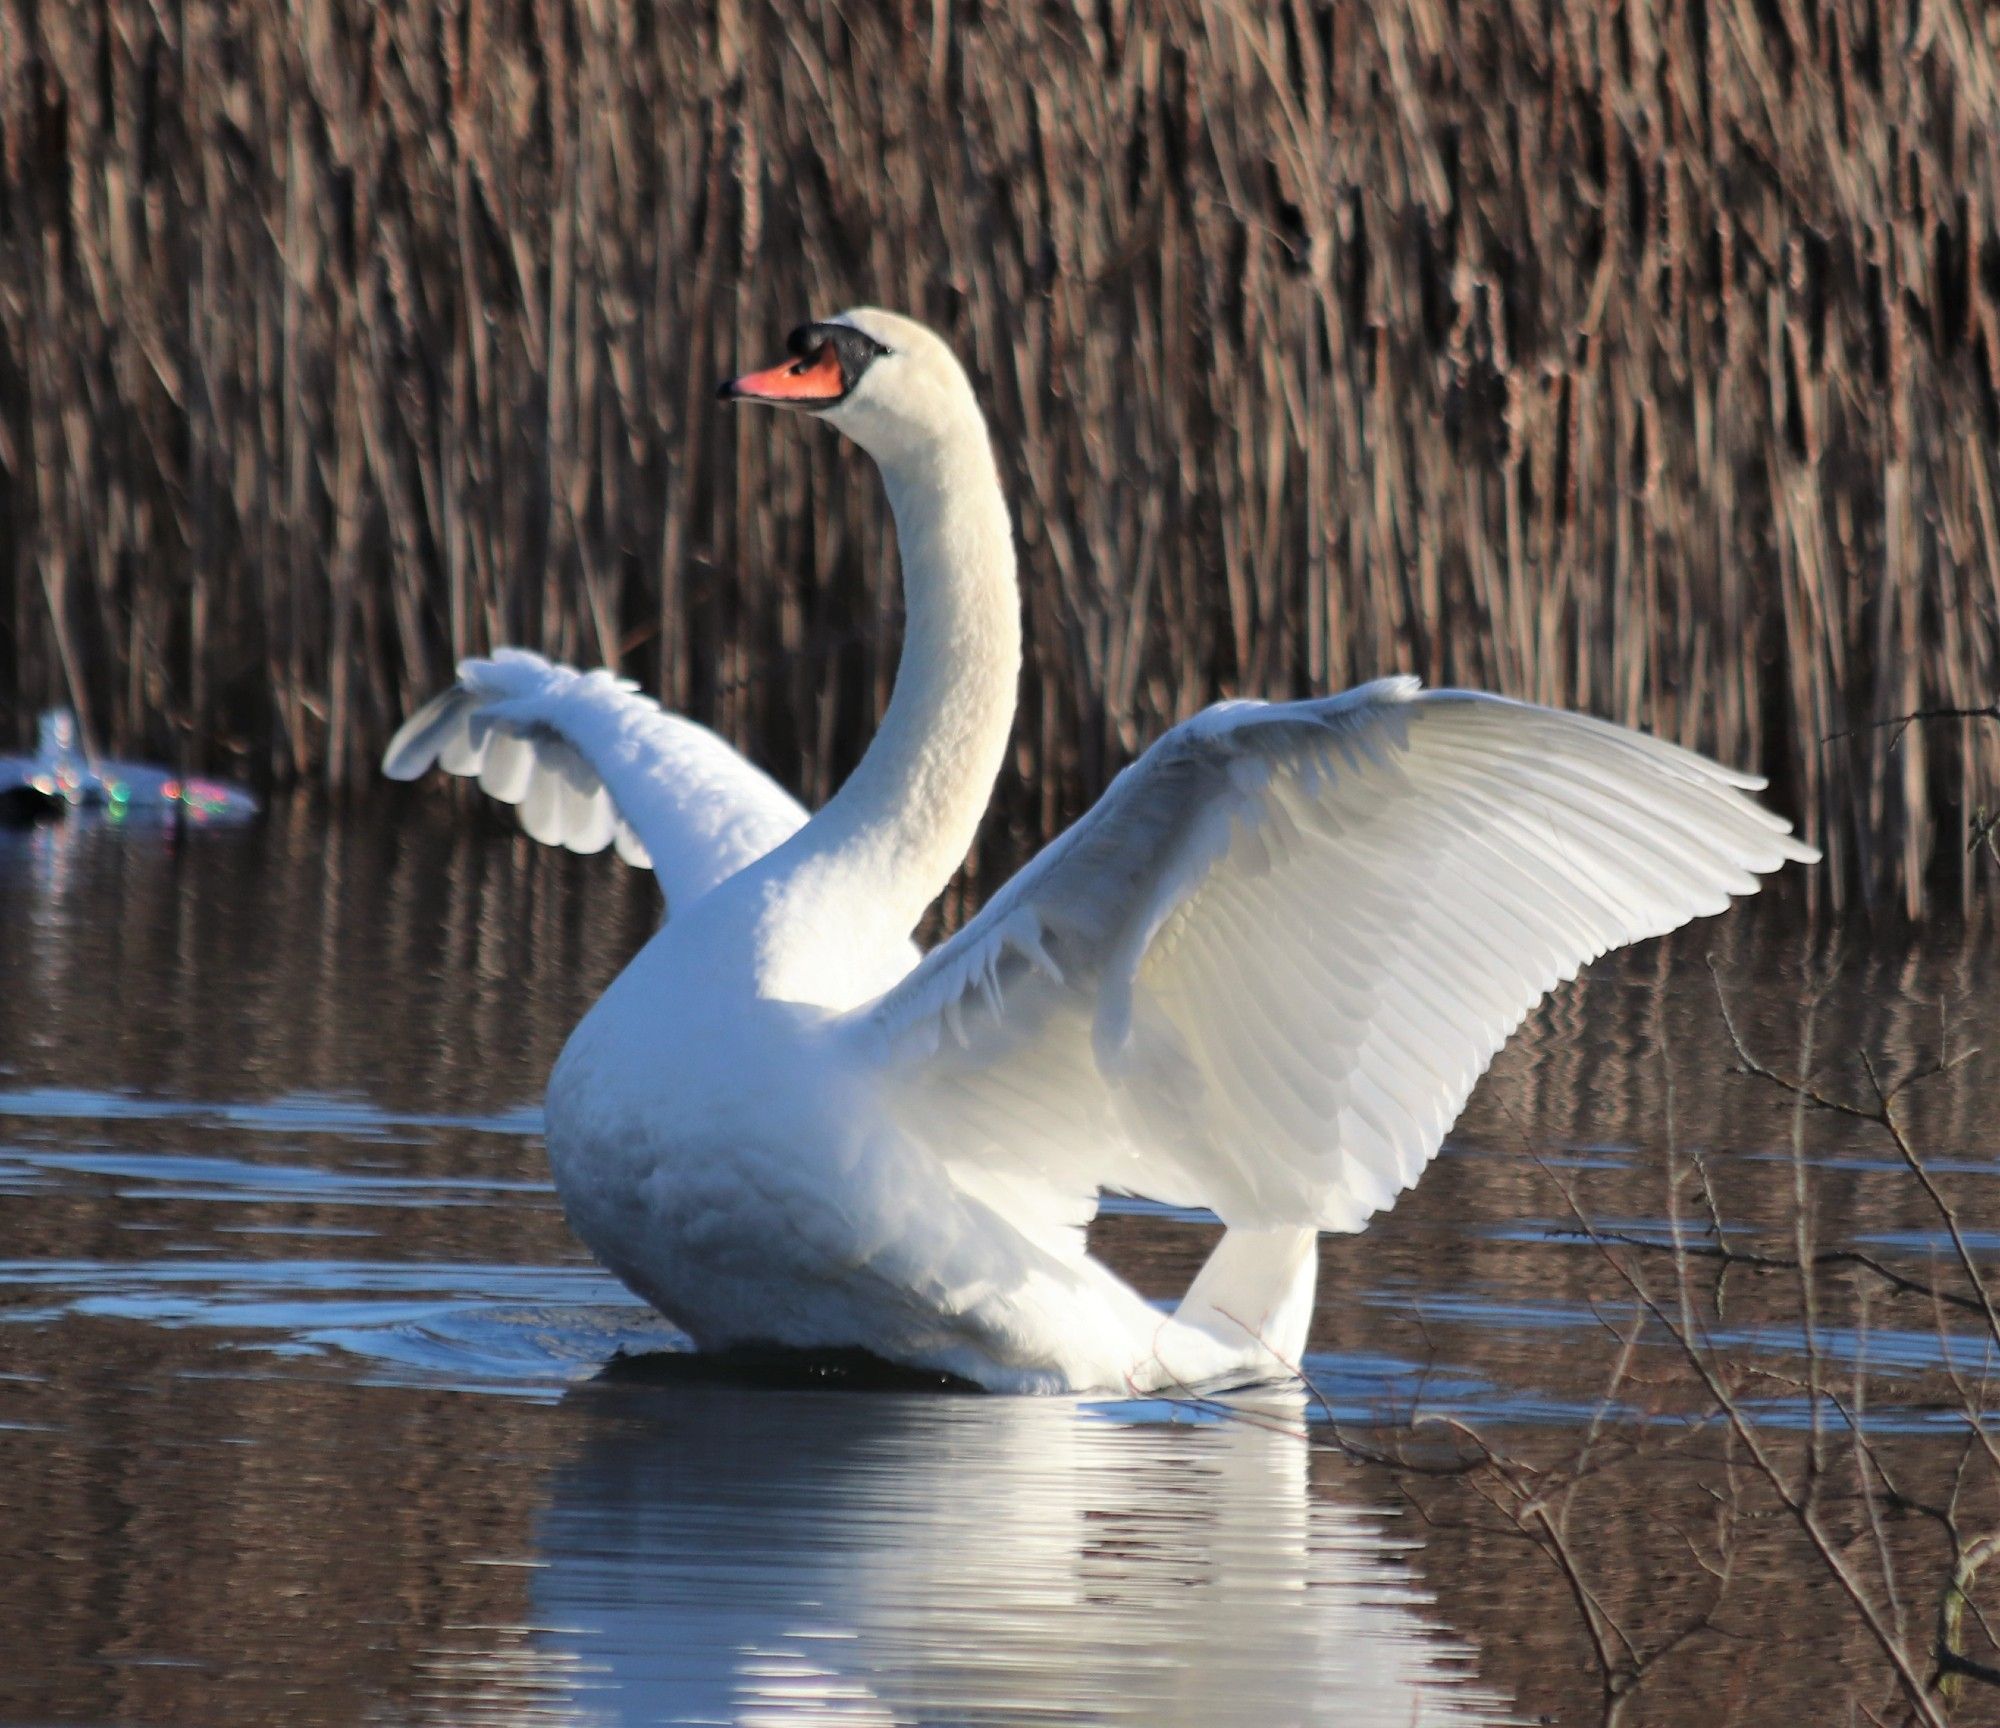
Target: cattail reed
(1639,357)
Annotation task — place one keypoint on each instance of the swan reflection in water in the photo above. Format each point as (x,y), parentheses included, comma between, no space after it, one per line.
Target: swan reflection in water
(735,1553)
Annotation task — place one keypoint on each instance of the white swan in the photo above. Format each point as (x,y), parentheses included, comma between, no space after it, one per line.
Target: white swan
(1261,975)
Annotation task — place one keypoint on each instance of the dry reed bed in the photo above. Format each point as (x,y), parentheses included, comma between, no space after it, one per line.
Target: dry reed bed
(1641,357)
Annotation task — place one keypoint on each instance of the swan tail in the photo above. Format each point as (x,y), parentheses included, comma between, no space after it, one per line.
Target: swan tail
(1254,1295)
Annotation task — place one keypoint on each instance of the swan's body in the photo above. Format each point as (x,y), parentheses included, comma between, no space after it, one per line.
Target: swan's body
(1261,975)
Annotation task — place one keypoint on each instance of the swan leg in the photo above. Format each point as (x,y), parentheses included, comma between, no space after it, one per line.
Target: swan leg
(1253,1298)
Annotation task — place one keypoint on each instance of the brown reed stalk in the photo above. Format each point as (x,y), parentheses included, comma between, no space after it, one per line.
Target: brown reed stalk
(1642,356)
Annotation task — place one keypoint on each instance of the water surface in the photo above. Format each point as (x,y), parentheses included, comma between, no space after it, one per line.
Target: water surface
(312,1411)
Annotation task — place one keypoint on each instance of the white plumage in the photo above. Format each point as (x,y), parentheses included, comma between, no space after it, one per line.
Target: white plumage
(590,762)
(1262,975)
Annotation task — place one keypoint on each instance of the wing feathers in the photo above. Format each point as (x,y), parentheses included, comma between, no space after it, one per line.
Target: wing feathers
(590,763)
(1297,935)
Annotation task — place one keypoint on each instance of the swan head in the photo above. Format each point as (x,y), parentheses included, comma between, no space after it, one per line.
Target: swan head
(889,383)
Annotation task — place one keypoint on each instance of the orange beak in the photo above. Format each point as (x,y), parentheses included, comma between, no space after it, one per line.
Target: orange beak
(815,377)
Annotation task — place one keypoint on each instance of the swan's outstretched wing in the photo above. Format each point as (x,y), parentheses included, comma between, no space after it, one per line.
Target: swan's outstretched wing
(590,761)
(1264,972)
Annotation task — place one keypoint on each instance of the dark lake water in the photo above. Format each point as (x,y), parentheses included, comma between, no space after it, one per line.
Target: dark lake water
(305,1412)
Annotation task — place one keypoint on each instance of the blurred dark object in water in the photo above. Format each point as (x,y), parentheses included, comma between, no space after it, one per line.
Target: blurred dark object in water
(61,776)
(780,1369)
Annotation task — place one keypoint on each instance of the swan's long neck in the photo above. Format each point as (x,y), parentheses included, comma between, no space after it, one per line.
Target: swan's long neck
(903,822)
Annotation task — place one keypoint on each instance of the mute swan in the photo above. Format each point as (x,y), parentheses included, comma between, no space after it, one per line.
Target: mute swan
(1260,976)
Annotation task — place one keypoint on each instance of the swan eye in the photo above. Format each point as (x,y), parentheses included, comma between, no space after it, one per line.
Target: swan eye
(854,350)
